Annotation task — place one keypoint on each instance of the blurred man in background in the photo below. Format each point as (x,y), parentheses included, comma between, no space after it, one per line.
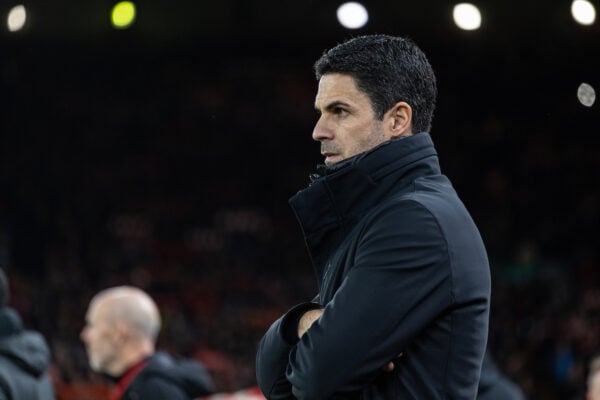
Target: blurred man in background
(122,325)
(24,356)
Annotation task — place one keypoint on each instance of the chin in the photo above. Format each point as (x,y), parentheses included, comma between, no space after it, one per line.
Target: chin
(95,365)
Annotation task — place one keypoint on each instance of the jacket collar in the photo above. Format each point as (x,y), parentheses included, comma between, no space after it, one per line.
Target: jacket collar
(349,188)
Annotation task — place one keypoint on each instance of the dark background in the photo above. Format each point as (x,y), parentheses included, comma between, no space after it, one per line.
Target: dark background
(163,156)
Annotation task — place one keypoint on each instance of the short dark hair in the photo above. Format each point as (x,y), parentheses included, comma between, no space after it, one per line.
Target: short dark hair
(387,69)
(4,289)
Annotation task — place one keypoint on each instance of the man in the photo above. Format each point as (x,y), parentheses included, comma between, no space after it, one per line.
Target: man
(401,267)
(120,335)
(593,382)
(24,356)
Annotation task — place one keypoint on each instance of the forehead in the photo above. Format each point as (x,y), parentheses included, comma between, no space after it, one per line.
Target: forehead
(97,310)
(339,87)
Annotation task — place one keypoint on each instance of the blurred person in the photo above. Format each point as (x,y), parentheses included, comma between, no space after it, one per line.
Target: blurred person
(122,325)
(593,380)
(24,356)
(400,264)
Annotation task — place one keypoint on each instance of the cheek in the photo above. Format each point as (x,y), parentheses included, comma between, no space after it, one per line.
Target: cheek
(97,338)
(360,138)
(350,134)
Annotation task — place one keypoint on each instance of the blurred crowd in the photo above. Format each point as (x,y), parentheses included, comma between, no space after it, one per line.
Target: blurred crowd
(170,170)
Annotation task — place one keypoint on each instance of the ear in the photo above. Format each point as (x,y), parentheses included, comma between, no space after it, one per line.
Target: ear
(398,120)
(121,332)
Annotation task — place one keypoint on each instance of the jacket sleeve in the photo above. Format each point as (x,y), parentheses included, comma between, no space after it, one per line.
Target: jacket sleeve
(399,284)
(273,353)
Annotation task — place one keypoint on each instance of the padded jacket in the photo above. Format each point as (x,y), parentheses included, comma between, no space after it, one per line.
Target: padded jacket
(24,361)
(165,377)
(401,268)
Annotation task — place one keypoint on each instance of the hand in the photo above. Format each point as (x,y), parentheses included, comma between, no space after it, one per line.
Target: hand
(389,367)
(307,319)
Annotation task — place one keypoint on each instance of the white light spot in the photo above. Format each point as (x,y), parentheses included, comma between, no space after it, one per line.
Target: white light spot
(467,16)
(586,94)
(583,12)
(16,18)
(352,15)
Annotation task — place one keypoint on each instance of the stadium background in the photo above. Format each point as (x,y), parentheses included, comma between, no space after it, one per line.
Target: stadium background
(163,156)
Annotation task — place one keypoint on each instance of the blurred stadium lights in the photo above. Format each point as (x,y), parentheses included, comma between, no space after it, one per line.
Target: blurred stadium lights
(586,94)
(467,16)
(583,12)
(16,18)
(221,19)
(123,14)
(352,15)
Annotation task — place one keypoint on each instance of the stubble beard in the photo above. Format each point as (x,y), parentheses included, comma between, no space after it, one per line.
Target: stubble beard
(374,139)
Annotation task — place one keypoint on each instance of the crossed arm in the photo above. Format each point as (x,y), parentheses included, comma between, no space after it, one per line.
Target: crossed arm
(311,316)
(387,298)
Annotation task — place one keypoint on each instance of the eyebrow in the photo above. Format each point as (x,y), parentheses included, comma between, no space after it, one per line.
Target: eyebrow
(334,104)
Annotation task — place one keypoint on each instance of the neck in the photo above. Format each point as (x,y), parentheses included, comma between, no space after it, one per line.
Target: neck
(130,356)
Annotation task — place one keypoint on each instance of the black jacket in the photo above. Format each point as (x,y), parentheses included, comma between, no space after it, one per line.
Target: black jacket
(401,268)
(165,377)
(24,360)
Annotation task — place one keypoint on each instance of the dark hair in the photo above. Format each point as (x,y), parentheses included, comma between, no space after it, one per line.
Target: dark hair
(4,290)
(388,69)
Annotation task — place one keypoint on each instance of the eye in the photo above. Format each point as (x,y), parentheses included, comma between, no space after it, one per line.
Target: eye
(339,111)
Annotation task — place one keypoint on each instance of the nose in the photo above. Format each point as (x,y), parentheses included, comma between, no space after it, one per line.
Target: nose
(321,131)
(84,334)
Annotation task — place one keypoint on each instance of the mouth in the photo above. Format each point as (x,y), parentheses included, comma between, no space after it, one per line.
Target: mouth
(329,157)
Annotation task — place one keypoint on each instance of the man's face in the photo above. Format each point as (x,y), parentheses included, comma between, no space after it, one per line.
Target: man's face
(99,338)
(347,125)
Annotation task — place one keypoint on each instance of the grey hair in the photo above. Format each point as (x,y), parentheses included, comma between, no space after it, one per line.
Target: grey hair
(134,307)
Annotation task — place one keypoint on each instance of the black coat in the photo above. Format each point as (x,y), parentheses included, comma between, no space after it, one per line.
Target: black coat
(401,269)
(165,377)
(24,361)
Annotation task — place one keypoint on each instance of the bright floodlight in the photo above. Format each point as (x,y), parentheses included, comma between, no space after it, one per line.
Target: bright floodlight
(583,11)
(16,18)
(467,16)
(123,14)
(586,94)
(352,15)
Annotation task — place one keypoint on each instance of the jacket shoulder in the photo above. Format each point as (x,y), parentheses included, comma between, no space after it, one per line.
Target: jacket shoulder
(173,378)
